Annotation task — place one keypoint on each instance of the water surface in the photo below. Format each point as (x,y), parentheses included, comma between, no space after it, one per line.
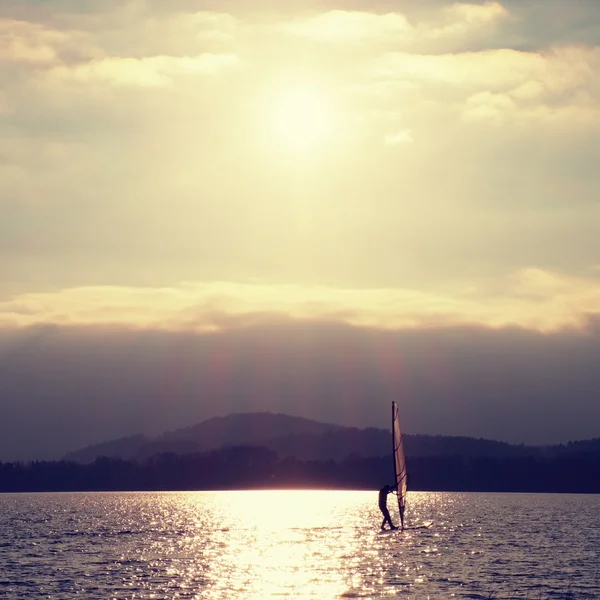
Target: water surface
(297,544)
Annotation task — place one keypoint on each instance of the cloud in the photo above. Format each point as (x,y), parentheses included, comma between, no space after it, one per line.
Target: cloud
(347,27)
(28,49)
(556,89)
(394,28)
(36,45)
(151,71)
(475,15)
(399,137)
(530,298)
(558,72)
(97,383)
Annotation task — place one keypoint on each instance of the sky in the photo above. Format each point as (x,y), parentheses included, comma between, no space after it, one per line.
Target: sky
(309,207)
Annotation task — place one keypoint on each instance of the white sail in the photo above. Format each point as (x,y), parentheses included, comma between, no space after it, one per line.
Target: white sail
(399,463)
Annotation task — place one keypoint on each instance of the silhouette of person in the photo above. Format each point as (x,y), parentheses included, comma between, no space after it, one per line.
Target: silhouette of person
(383,494)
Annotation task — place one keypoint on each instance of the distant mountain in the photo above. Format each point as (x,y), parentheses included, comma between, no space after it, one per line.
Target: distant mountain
(125,448)
(218,432)
(311,440)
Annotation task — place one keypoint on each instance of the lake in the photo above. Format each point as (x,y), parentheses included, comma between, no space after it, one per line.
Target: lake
(297,544)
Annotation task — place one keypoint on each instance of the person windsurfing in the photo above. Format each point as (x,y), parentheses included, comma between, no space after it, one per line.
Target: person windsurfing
(383,494)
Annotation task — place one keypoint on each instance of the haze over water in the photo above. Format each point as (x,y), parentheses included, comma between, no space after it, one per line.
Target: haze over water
(296,544)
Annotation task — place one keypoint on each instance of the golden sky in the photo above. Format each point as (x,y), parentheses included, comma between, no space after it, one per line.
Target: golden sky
(301,207)
(387,164)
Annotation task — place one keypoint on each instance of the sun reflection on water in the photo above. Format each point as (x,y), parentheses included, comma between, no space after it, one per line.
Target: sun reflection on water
(282,540)
(292,543)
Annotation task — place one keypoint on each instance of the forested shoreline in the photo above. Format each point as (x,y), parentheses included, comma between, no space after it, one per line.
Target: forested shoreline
(255,467)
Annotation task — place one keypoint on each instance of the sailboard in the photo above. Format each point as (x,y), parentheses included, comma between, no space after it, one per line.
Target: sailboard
(400,472)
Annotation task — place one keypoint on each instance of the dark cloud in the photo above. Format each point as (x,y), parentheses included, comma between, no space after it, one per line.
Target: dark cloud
(535,23)
(540,23)
(62,388)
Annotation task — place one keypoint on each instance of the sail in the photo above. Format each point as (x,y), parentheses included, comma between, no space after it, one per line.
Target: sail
(399,462)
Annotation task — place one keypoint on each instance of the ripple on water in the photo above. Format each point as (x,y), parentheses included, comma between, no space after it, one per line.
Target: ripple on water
(297,545)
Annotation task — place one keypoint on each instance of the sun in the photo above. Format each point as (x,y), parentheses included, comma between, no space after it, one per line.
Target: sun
(302,117)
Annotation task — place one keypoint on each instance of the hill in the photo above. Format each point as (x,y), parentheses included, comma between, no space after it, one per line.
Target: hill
(306,439)
(219,432)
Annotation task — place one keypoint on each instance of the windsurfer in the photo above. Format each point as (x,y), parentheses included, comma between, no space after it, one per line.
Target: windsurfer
(383,494)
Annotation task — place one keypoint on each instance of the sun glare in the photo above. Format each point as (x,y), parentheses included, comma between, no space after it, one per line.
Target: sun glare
(302,117)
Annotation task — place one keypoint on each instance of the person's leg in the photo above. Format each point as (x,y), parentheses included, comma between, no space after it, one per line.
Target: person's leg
(388,518)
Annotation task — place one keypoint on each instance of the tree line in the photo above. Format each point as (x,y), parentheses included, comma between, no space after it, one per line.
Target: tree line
(252,467)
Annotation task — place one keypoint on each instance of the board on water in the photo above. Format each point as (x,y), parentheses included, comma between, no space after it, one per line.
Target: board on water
(427,525)
(422,526)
